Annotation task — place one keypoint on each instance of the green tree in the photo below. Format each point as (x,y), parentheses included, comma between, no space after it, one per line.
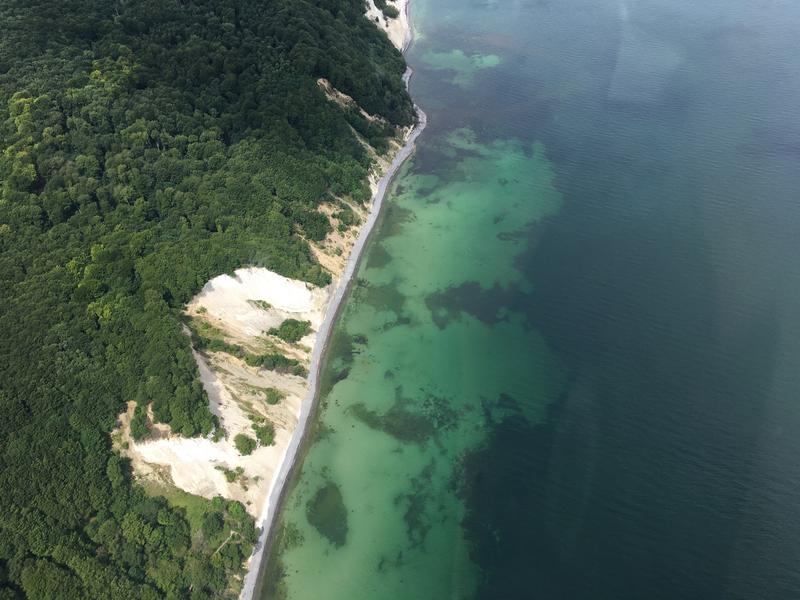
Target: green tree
(146,147)
(212,524)
(291,330)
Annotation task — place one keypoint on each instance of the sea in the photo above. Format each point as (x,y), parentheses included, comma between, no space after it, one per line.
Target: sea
(569,366)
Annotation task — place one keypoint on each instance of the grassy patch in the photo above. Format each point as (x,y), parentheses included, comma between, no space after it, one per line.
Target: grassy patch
(262,304)
(205,329)
(195,507)
(265,433)
(235,476)
(264,430)
(206,337)
(273,396)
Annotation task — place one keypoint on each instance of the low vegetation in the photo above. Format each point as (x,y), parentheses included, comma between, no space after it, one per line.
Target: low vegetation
(291,330)
(139,424)
(205,337)
(244,444)
(264,430)
(236,474)
(276,362)
(387,9)
(273,396)
(262,304)
(347,218)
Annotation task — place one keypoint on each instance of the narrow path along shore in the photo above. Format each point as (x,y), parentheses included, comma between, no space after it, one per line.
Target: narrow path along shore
(277,489)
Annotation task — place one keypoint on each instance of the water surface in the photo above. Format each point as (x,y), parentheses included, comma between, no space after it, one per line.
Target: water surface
(570,365)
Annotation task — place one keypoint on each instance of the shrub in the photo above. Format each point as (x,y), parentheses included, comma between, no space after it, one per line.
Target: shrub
(291,330)
(262,304)
(276,362)
(213,524)
(265,433)
(244,444)
(388,10)
(273,396)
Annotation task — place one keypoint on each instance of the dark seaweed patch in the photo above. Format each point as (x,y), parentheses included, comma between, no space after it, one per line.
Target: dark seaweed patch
(396,217)
(321,431)
(417,524)
(291,537)
(326,512)
(487,305)
(287,538)
(378,257)
(384,297)
(385,562)
(398,322)
(340,358)
(398,421)
(408,421)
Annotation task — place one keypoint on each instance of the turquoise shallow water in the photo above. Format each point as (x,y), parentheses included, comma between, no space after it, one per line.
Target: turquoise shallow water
(569,365)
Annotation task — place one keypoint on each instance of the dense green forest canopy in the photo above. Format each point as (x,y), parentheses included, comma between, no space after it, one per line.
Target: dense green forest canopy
(145,147)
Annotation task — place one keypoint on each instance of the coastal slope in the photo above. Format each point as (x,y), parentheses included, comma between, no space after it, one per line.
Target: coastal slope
(230,319)
(145,149)
(238,312)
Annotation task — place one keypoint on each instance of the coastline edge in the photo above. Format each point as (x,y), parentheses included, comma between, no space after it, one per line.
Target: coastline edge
(276,493)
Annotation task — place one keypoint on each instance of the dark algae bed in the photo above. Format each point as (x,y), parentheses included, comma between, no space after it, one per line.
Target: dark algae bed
(577,372)
(146,147)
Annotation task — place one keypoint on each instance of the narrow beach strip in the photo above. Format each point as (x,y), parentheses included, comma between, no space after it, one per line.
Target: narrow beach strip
(275,495)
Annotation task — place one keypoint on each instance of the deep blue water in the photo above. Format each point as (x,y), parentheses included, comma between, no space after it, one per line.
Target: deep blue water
(669,283)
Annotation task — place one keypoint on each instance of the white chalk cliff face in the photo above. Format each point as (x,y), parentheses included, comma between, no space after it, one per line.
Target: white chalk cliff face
(238,302)
(397,29)
(239,310)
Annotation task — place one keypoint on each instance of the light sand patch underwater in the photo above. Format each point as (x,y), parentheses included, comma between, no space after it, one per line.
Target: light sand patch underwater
(464,66)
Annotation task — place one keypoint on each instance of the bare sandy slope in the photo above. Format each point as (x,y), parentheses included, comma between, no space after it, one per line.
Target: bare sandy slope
(240,309)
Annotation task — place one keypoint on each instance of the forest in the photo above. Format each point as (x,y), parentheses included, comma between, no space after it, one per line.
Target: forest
(145,147)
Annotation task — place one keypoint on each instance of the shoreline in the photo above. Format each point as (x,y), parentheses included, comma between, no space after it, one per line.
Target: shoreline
(276,492)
